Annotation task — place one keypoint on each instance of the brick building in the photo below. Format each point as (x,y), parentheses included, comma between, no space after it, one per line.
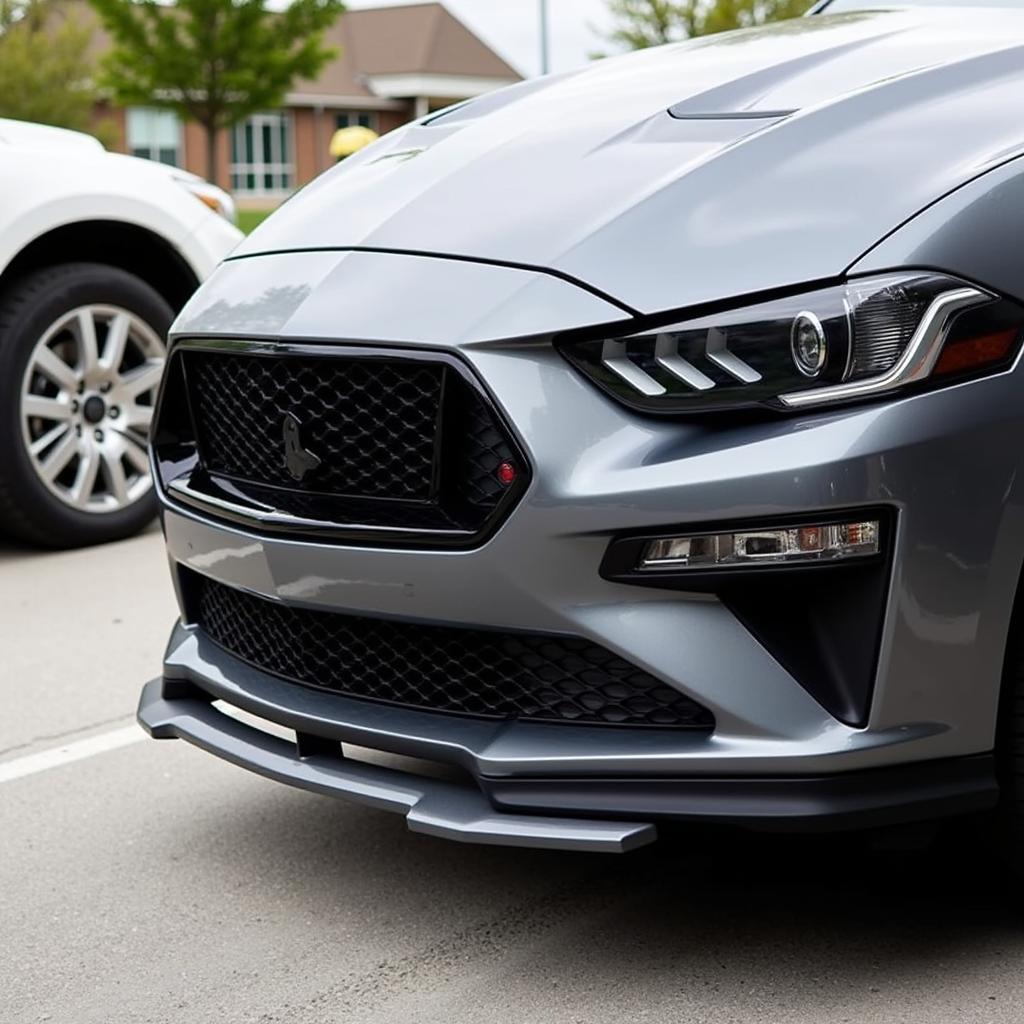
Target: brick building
(394,64)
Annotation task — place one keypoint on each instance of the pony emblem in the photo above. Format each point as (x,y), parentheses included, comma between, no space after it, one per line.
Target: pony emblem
(298,460)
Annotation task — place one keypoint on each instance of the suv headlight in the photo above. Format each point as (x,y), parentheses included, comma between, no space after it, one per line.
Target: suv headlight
(869,336)
(209,195)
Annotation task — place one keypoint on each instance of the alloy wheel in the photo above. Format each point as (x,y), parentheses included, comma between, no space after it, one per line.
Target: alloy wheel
(87,402)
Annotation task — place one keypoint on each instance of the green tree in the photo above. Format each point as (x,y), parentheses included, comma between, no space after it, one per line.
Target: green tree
(45,70)
(641,23)
(212,61)
(723,15)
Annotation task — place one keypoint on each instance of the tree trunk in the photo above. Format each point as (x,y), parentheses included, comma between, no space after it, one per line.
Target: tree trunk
(212,161)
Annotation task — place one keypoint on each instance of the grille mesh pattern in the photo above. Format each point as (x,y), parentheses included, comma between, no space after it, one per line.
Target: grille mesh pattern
(373,423)
(483,450)
(472,672)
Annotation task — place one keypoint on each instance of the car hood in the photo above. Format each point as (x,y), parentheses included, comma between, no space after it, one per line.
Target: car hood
(26,135)
(692,172)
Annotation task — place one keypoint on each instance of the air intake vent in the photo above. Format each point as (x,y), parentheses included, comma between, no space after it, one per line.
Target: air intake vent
(479,673)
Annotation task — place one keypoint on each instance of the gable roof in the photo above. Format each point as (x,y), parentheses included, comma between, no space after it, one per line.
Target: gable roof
(406,39)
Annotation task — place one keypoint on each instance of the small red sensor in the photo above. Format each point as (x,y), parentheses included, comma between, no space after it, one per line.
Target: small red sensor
(507,473)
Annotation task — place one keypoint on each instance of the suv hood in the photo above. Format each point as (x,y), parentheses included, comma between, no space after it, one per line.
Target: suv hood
(26,135)
(693,172)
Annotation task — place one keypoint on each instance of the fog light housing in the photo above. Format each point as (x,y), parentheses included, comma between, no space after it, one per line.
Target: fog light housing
(813,543)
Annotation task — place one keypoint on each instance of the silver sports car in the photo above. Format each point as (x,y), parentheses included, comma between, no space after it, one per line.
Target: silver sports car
(640,445)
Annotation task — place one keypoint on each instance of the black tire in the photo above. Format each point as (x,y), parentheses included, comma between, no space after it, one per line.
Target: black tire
(28,306)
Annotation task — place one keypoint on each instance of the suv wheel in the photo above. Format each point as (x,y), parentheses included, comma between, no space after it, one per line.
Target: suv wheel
(81,355)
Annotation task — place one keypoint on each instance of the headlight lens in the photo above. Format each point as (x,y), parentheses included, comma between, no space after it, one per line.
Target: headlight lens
(868,336)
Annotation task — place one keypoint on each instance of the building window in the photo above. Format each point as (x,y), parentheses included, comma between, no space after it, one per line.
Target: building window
(261,154)
(154,135)
(347,118)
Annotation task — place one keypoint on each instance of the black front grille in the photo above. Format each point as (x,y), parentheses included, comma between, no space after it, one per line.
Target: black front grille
(442,669)
(354,443)
(373,424)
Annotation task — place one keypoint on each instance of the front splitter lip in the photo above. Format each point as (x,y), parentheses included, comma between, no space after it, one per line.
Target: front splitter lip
(803,803)
(430,806)
(593,814)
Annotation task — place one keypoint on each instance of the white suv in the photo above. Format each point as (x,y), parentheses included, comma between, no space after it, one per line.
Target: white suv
(98,252)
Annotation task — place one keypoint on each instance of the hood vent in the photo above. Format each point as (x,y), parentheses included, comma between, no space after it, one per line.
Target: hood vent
(743,96)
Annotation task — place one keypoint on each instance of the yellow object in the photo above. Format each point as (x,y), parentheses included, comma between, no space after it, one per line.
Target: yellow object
(346,141)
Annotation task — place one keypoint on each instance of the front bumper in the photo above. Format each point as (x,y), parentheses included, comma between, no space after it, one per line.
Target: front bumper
(938,462)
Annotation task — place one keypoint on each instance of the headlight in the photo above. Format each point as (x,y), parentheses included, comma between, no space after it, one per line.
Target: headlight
(869,336)
(209,195)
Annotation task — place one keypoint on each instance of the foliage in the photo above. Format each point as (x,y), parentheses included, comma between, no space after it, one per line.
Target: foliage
(45,68)
(212,61)
(641,23)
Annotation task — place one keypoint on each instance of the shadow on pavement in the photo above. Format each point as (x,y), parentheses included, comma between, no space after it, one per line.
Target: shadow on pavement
(738,924)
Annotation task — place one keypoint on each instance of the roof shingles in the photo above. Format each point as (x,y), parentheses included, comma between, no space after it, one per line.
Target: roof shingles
(415,39)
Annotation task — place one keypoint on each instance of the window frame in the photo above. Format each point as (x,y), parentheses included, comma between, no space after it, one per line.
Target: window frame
(152,149)
(249,139)
(356,117)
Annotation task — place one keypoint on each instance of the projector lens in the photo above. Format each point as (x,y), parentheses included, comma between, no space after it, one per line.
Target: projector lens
(808,344)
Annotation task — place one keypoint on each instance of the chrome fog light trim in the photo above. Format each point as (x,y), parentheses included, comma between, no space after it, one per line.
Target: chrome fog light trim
(792,545)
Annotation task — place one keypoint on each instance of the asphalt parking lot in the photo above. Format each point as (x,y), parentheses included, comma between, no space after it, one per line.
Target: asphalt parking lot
(148,881)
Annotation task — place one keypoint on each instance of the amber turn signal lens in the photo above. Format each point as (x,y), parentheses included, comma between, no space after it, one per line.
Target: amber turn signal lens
(972,353)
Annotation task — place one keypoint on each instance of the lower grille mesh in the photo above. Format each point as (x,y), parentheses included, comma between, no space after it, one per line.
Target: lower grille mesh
(439,668)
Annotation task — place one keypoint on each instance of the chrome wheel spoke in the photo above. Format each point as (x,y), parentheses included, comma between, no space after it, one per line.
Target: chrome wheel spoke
(114,475)
(41,443)
(85,479)
(117,341)
(88,350)
(135,452)
(45,408)
(48,363)
(138,418)
(139,381)
(57,460)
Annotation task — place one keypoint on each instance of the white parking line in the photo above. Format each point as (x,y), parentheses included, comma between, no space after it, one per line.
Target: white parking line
(69,752)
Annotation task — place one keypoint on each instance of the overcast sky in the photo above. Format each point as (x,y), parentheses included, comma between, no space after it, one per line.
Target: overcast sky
(511,28)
